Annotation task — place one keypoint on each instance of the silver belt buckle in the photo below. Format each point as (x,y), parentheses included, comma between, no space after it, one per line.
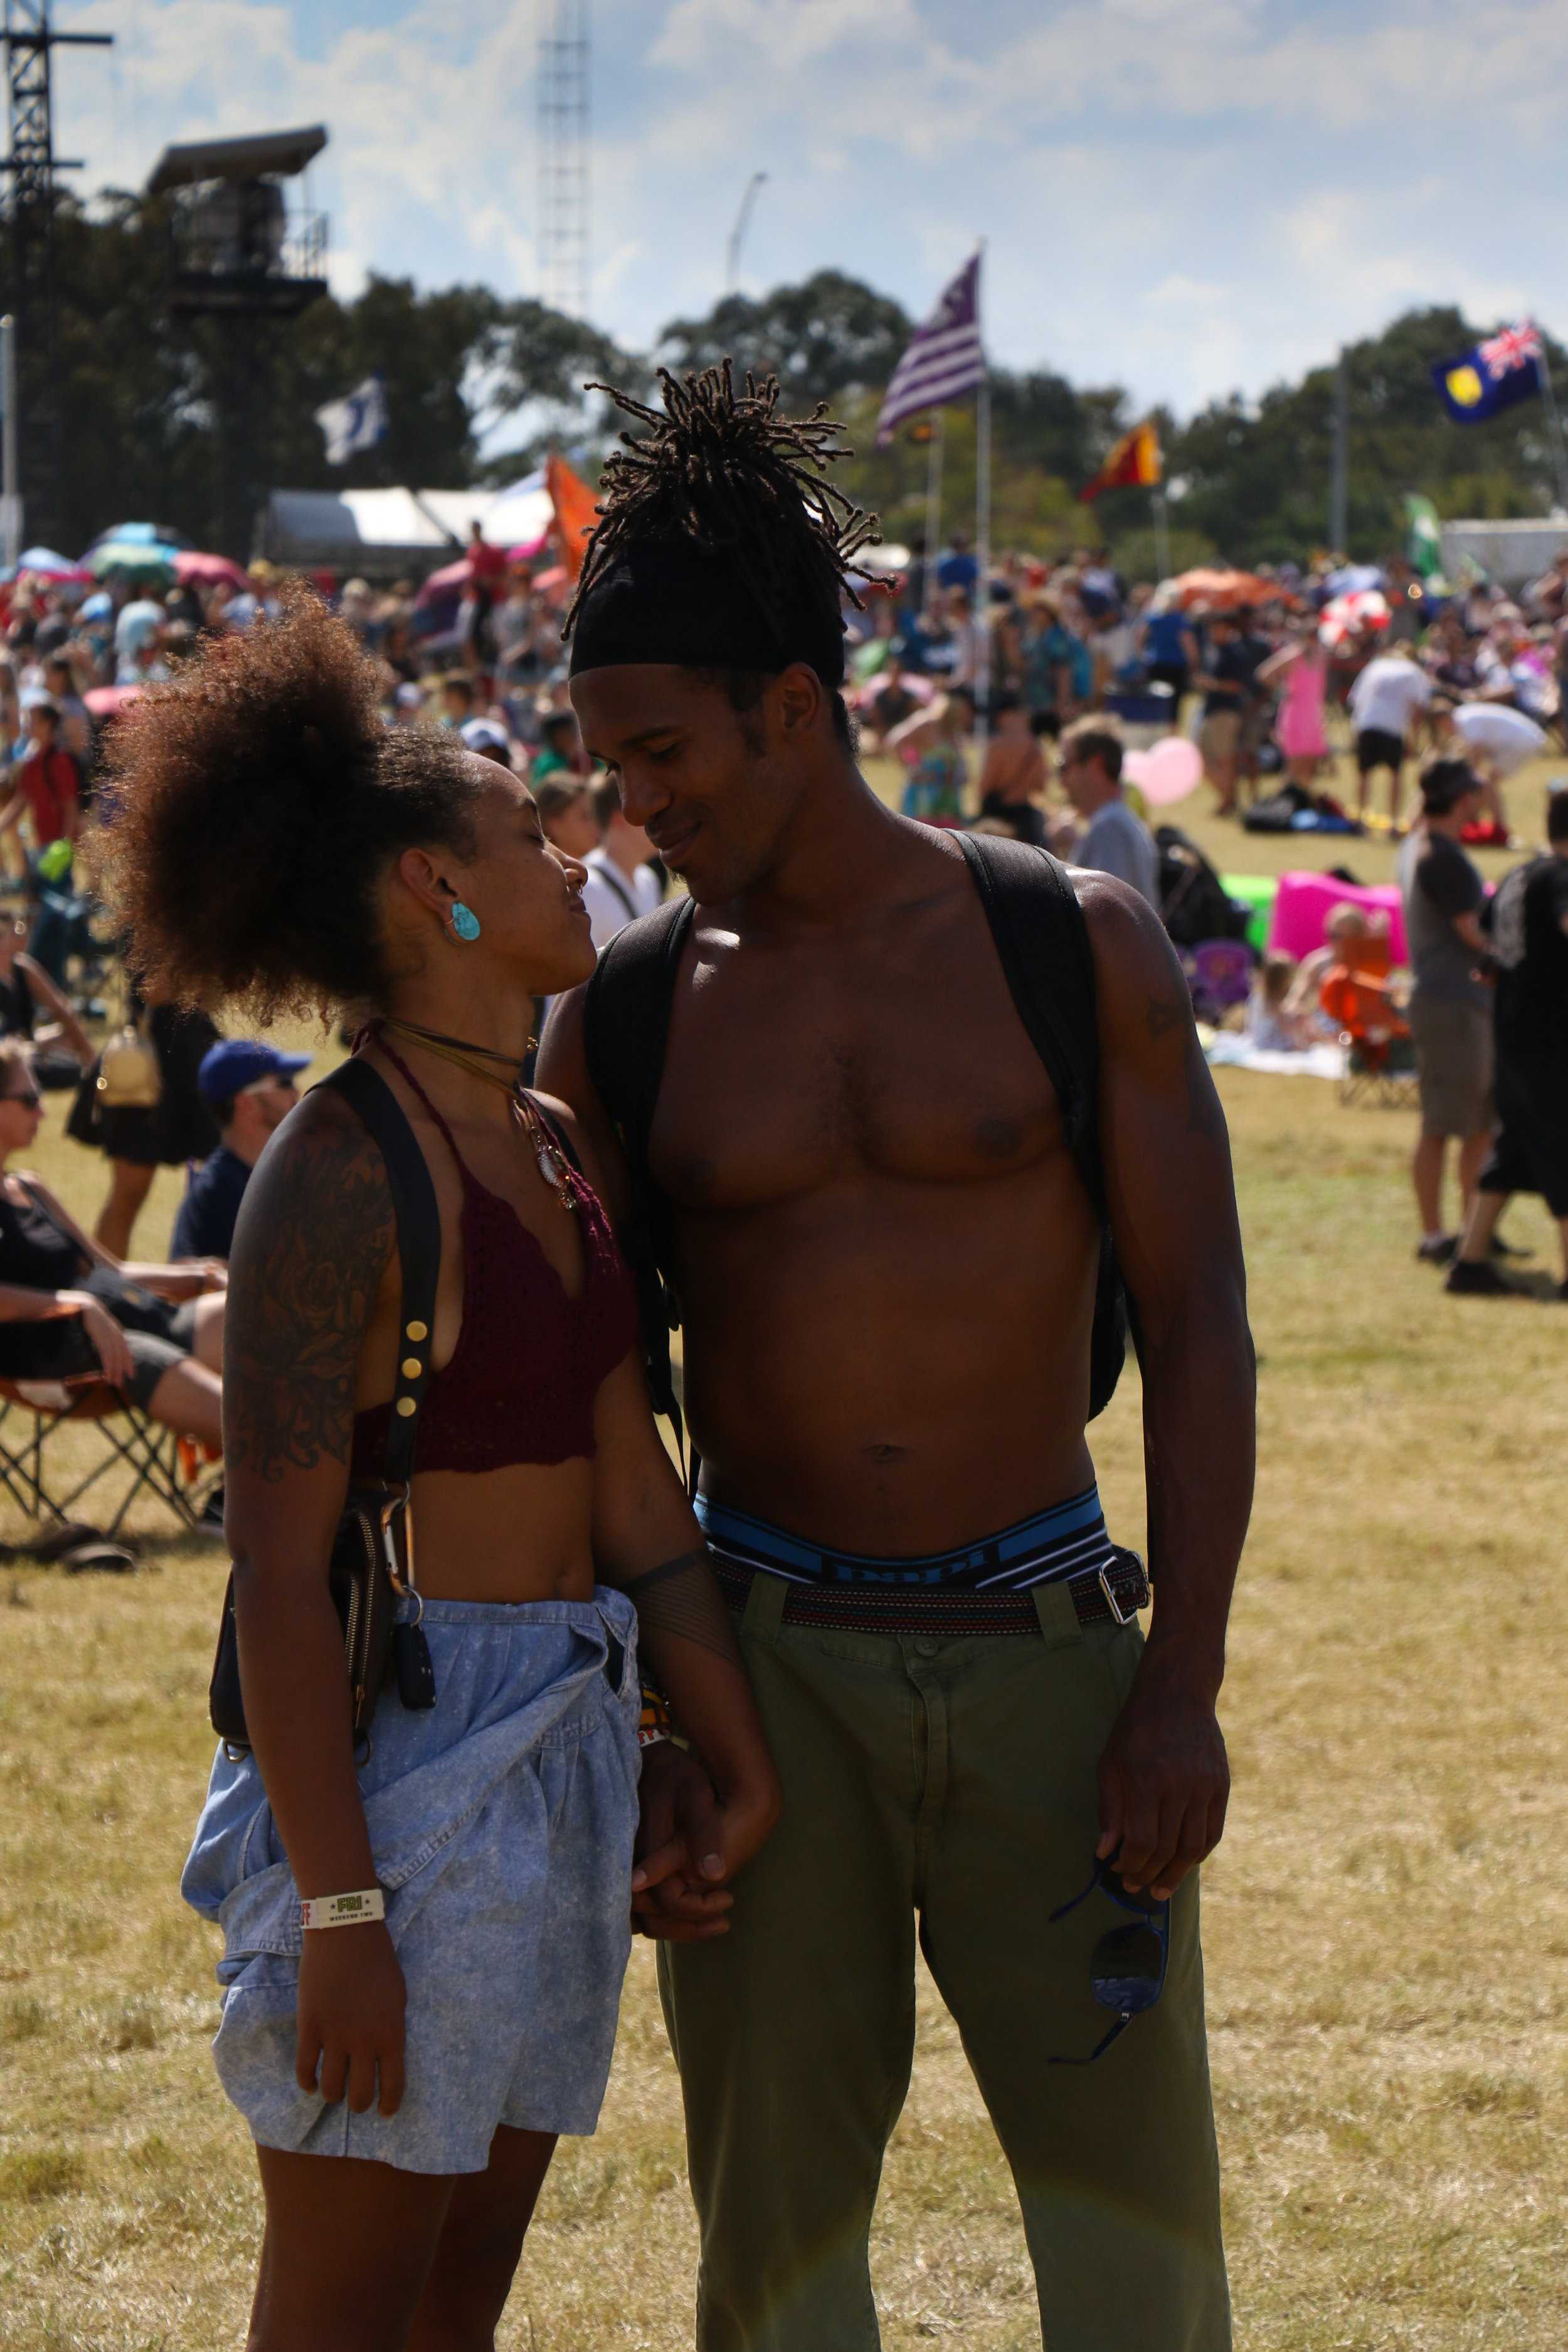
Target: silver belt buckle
(1122,1617)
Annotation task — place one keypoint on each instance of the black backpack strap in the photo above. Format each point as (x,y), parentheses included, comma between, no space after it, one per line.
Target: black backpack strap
(626,1022)
(418,1247)
(626,1030)
(1043,942)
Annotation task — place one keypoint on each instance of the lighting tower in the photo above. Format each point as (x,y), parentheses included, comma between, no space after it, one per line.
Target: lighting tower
(31,165)
(562,230)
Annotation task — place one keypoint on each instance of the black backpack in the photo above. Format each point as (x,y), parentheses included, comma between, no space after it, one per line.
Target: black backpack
(1043,943)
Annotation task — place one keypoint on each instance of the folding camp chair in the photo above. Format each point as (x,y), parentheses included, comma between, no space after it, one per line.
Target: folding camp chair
(1380,1059)
(33,1414)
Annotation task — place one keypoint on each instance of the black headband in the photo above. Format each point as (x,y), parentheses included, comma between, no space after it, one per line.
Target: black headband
(672,601)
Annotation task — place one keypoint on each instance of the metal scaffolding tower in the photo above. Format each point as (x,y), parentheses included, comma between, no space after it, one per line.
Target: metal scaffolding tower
(562,227)
(31,165)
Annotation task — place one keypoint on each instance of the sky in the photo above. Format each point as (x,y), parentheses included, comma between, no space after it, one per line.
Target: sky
(1189,197)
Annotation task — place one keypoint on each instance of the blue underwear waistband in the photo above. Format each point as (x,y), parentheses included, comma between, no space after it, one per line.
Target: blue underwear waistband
(1066,1540)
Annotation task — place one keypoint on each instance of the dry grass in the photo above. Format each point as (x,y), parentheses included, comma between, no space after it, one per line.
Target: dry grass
(1387,1922)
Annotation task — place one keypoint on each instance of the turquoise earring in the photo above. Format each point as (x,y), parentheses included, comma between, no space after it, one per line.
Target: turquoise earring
(465,922)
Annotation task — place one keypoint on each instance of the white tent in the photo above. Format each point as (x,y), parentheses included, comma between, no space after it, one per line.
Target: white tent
(388,532)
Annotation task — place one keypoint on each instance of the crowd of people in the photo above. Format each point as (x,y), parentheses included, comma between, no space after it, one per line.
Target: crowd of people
(897,1327)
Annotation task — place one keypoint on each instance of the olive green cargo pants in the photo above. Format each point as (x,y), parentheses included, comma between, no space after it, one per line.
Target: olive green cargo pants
(949,1782)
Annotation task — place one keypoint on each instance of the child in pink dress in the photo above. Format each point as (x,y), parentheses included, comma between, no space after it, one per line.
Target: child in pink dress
(1302,669)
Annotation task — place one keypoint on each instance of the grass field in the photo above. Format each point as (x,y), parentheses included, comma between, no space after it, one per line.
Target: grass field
(1386,1923)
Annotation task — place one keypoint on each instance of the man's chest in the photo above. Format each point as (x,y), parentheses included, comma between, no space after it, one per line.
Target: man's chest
(787,1074)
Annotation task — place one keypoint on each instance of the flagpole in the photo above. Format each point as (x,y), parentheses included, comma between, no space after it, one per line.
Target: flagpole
(983,546)
(1162,533)
(934,509)
(1558,448)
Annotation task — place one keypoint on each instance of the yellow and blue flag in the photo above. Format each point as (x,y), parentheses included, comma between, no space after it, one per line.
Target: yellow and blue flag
(1496,375)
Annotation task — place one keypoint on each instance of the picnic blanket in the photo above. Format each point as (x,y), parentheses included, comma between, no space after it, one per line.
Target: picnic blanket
(1229,1049)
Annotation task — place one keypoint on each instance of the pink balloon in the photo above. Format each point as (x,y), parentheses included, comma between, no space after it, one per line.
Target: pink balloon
(1168,771)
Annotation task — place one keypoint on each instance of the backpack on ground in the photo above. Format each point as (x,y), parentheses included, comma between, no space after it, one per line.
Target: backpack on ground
(1042,940)
(1195,905)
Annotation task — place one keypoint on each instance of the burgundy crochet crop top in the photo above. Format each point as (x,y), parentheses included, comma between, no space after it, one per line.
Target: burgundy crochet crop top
(529,1358)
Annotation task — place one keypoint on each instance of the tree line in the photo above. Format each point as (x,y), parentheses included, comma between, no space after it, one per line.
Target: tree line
(138,388)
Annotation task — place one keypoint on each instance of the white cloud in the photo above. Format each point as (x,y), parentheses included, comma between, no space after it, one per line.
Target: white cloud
(1183,194)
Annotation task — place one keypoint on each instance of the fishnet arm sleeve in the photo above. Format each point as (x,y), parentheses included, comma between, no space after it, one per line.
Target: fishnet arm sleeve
(680,1602)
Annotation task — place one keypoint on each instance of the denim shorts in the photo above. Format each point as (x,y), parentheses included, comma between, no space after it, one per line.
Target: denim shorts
(501,1822)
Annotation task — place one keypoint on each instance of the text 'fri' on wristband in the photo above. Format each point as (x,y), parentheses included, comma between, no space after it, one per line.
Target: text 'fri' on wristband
(342,1910)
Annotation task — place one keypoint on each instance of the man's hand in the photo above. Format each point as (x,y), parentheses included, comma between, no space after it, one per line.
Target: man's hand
(690,1842)
(1164,1780)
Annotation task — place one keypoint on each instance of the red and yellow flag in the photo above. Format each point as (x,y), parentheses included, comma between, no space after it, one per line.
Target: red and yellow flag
(1133,464)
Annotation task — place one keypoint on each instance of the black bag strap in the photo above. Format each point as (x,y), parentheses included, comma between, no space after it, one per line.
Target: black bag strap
(419,1248)
(626,1033)
(1043,942)
(626,1022)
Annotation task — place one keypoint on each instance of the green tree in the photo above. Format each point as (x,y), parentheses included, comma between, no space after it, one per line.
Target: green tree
(824,338)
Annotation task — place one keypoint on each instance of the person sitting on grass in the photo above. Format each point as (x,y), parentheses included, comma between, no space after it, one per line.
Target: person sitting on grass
(250,1089)
(69,1308)
(1271,1027)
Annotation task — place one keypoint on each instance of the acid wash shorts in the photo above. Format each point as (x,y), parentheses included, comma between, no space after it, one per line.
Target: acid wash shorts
(501,1822)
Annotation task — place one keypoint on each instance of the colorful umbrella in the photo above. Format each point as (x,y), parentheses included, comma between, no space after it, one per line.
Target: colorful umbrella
(192,568)
(141,534)
(1222,590)
(148,562)
(1364,608)
(44,564)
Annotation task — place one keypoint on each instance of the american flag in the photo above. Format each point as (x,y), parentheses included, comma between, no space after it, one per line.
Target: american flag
(1515,347)
(945,357)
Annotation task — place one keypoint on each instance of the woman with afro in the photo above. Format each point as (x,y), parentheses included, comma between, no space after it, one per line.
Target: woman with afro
(424,1941)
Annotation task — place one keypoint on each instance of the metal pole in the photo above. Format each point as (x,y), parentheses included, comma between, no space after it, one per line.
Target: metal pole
(934,509)
(8,394)
(737,234)
(1162,533)
(983,579)
(1559,448)
(1339,489)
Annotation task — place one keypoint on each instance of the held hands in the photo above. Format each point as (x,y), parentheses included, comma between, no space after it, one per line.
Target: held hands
(350,2018)
(1164,1778)
(690,1842)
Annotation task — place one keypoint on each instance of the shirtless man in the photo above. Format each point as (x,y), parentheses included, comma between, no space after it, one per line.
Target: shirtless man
(1014,778)
(886,1265)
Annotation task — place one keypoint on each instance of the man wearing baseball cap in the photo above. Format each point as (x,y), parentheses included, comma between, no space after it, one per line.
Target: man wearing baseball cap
(250,1089)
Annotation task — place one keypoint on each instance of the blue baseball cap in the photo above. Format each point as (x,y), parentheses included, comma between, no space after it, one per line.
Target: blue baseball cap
(235,1062)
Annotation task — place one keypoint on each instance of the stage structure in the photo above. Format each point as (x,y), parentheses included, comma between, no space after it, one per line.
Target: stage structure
(35,432)
(243,258)
(561,235)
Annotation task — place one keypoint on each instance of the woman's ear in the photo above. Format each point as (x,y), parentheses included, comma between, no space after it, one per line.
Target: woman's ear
(423,879)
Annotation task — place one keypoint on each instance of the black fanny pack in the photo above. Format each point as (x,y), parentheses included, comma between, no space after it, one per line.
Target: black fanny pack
(372,1567)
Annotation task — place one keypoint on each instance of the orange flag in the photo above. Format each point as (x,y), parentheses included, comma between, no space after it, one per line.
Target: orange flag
(574,516)
(1134,463)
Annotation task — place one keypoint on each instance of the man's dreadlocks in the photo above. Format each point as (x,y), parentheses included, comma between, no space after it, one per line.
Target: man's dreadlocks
(725,472)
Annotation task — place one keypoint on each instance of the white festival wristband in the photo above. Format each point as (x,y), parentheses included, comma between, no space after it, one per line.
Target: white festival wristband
(342,1910)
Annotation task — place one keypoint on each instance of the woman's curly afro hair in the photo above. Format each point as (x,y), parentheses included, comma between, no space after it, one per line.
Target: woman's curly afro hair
(250,809)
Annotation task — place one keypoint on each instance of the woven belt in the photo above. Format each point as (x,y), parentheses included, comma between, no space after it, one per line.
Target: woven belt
(1109,1595)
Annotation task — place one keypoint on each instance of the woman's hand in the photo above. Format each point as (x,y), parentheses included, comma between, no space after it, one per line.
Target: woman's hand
(350,2018)
(109,1343)
(692,1842)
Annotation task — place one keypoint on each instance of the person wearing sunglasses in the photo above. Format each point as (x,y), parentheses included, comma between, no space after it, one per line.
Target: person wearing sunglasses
(68,1307)
(250,1088)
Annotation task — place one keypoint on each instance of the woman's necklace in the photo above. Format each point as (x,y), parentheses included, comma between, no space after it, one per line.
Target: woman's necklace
(472,1058)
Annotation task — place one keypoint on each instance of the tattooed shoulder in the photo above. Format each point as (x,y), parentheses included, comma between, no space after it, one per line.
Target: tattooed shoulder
(316,1234)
